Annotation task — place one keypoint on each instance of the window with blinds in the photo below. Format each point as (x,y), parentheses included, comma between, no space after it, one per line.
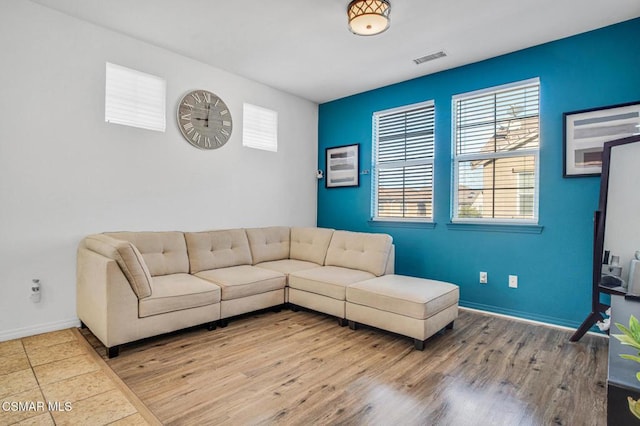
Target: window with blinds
(259,128)
(134,98)
(403,163)
(497,140)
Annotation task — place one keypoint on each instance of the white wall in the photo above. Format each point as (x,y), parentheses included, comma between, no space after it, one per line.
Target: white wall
(65,173)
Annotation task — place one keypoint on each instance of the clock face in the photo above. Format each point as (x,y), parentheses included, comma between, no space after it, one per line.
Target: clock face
(204,119)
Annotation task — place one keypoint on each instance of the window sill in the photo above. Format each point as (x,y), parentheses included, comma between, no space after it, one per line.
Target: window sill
(401,224)
(490,227)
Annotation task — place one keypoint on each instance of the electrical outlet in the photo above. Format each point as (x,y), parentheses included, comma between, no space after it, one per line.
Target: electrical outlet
(513,281)
(483,277)
(35,290)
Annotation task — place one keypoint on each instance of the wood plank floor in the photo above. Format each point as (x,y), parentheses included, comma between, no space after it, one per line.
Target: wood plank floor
(301,368)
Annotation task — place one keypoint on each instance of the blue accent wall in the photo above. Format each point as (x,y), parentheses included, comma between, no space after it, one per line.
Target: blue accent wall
(589,70)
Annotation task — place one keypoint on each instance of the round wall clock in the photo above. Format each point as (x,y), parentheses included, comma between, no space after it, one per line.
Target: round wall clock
(204,119)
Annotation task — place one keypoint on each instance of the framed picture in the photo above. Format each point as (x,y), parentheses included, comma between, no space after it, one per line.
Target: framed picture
(343,166)
(586,131)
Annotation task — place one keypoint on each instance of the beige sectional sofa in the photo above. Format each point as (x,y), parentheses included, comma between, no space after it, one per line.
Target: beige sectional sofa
(133,285)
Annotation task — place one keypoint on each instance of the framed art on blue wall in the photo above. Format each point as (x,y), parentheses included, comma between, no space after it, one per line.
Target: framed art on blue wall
(586,131)
(343,166)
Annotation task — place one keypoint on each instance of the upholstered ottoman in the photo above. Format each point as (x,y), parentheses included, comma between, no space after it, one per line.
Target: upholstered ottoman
(414,307)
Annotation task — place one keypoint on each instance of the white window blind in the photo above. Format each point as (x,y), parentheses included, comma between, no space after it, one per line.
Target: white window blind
(403,163)
(259,128)
(134,98)
(497,141)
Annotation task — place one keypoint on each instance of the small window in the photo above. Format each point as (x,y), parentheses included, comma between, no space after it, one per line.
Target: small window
(259,128)
(133,98)
(495,156)
(403,163)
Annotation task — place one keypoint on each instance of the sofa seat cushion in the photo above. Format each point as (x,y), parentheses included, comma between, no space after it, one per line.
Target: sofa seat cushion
(330,281)
(244,280)
(409,296)
(287,266)
(177,292)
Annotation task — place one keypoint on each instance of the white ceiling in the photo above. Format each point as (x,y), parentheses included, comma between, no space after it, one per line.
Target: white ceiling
(304,46)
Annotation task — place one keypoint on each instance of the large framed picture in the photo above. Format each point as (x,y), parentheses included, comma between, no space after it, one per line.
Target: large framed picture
(586,131)
(343,166)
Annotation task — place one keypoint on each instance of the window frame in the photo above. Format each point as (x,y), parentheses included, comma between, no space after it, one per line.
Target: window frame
(375,167)
(256,141)
(126,109)
(455,159)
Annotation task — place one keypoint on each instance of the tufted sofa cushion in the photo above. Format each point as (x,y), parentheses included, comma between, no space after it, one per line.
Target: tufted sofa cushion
(128,259)
(217,249)
(164,253)
(244,281)
(310,244)
(268,244)
(359,250)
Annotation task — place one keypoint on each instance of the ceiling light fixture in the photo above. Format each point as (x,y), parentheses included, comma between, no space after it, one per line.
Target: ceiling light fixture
(368,17)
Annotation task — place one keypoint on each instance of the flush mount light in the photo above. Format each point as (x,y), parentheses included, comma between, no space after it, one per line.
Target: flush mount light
(368,17)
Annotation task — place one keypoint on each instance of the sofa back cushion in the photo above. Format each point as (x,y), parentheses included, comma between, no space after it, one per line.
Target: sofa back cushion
(164,253)
(310,244)
(359,250)
(268,244)
(128,259)
(217,249)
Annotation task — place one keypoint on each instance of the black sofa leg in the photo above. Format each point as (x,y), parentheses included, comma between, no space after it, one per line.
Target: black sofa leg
(113,351)
(276,309)
(211,326)
(83,325)
(353,325)
(342,322)
(294,308)
(418,344)
(449,326)
(223,323)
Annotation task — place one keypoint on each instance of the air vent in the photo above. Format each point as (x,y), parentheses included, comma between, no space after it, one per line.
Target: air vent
(431,57)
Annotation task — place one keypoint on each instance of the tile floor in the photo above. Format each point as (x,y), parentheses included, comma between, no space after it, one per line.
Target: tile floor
(57,379)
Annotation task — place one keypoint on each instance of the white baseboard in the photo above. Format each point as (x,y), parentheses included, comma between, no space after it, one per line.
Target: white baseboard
(545,324)
(38,329)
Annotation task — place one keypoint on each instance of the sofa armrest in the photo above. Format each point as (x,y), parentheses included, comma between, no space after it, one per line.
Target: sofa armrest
(127,257)
(105,301)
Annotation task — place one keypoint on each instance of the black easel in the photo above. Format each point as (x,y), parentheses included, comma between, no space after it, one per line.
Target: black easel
(597,308)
